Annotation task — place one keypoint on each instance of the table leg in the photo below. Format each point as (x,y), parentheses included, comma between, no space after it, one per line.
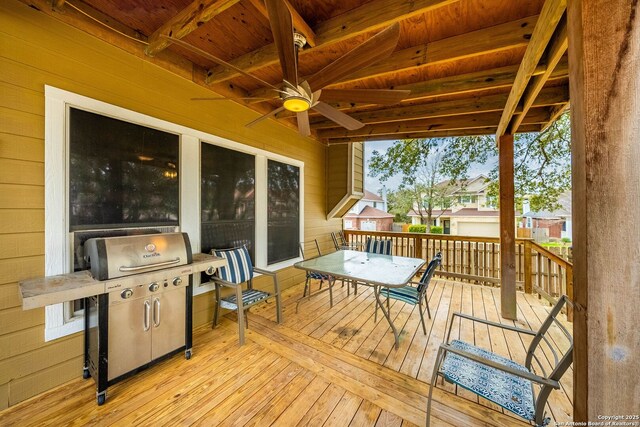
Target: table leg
(329,288)
(376,292)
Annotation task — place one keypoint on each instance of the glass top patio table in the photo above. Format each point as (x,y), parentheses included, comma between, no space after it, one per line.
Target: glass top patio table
(366,268)
(373,269)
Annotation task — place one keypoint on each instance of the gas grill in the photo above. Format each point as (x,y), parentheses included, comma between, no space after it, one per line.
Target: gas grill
(145,313)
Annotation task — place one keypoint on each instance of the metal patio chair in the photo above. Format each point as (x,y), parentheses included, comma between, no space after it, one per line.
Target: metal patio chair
(414,292)
(379,246)
(341,243)
(240,270)
(501,380)
(311,249)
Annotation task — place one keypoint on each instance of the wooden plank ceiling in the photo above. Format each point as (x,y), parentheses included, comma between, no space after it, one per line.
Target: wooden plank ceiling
(473,66)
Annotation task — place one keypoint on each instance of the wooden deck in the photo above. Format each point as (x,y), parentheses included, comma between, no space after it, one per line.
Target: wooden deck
(323,366)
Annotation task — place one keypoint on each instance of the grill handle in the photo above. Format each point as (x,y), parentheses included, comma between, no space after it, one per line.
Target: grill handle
(147,311)
(144,267)
(156,311)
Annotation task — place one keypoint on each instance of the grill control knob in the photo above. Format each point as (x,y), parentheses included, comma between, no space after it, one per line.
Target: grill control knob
(177,281)
(126,294)
(154,287)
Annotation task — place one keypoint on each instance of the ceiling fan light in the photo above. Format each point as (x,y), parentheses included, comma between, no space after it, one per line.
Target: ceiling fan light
(297,104)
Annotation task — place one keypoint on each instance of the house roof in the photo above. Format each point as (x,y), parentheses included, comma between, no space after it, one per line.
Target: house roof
(563,212)
(475,185)
(483,55)
(368,195)
(370,212)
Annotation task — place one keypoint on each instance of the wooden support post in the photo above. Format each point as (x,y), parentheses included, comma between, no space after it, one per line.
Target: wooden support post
(604,53)
(418,243)
(528,285)
(507,229)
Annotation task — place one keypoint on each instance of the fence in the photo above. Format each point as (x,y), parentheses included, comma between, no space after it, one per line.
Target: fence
(477,260)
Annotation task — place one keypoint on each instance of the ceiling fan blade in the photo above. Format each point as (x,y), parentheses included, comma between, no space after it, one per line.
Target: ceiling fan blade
(337,116)
(365,96)
(373,50)
(266,116)
(222,98)
(282,29)
(303,123)
(217,60)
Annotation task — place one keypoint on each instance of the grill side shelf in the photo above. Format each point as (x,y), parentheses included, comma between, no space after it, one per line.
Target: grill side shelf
(43,291)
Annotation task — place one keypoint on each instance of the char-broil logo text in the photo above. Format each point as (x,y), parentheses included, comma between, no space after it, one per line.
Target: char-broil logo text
(152,249)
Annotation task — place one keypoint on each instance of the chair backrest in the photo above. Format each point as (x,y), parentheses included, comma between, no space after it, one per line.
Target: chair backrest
(560,363)
(240,267)
(375,246)
(310,249)
(429,272)
(337,240)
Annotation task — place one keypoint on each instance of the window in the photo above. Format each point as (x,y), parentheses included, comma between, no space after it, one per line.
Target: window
(227,199)
(283,211)
(463,200)
(175,202)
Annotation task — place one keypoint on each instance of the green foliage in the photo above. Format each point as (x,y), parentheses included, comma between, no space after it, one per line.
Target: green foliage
(418,228)
(436,229)
(542,167)
(566,240)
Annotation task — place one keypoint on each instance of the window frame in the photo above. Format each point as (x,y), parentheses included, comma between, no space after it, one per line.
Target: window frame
(58,239)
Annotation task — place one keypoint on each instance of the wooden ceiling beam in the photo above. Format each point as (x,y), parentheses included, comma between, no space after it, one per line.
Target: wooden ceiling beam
(555,51)
(494,78)
(548,96)
(468,121)
(428,134)
(549,18)
(87,19)
(479,42)
(372,16)
(299,23)
(185,22)
(555,112)
(492,39)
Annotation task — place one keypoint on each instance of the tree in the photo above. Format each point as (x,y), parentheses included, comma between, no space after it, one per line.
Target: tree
(542,166)
(424,165)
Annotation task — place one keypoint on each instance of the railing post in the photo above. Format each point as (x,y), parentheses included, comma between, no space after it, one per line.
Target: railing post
(528,285)
(418,243)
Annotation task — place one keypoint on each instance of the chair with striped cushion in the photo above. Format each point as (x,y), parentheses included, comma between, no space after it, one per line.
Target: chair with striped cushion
(311,249)
(239,270)
(376,246)
(415,292)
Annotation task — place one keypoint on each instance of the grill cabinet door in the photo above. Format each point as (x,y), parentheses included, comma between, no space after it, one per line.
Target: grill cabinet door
(168,321)
(129,343)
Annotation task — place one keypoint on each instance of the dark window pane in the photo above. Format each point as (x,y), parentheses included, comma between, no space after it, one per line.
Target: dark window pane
(283,233)
(120,173)
(227,199)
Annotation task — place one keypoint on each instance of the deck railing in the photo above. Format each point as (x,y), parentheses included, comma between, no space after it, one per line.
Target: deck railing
(477,260)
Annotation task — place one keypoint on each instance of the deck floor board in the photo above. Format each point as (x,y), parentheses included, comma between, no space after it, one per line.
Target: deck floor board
(330,366)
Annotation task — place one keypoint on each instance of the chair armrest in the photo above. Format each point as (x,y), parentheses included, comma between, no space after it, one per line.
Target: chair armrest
(522,374)
(215,279)
(262,271)
(490,323)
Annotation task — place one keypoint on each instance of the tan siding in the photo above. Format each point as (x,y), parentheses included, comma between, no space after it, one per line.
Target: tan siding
(338,166)
(358,167)
(35,51)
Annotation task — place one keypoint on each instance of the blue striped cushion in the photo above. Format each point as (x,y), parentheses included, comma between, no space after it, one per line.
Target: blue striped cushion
(375,246)
(509,391)
(240,268)
(407,294)
(319,276)
(249,297)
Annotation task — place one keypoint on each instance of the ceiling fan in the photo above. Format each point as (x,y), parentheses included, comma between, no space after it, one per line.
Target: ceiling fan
(299,96)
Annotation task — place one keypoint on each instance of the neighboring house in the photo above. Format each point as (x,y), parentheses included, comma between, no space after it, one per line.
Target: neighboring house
(472,212)
(545,225)
(369,214)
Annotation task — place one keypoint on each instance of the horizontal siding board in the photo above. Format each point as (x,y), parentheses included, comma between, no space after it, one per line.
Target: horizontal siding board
(10,296)
(21,220)
(16,269)
(20,147)
(54,353)
(45,379)
(21,245)
(21,172)
(22,341)
(16,319)
(18,196)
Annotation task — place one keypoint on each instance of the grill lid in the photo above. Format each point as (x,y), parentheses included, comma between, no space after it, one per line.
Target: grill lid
(112,257)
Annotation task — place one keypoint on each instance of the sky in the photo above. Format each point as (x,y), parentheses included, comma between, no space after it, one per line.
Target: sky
(374,185)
